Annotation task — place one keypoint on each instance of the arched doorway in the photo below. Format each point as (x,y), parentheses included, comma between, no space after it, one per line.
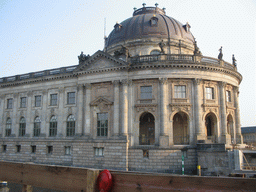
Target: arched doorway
(230,127)
(210,126)
(147,129)
(180,129)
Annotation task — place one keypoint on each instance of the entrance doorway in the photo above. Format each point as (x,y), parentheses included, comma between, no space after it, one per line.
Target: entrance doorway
(147,129)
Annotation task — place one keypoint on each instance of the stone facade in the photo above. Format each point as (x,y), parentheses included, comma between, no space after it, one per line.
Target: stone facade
(123,108)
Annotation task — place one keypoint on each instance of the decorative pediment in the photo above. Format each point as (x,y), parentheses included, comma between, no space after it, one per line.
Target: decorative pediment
(100,61)
(181,107)
(102,103)
(151,107)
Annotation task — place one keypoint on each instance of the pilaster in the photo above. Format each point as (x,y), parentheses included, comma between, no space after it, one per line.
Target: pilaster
(80,106)
(87,130)
(200,132)
(29,119)
(239,137)
(62,119)
(116,84)
(225,137)
(164,136)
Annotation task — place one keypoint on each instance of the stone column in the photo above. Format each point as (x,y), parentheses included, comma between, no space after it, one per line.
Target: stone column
(225,137)
(239,138)
(116,107)
(164,135)
(16,116)
(2,120)
(62,118)
(29,119)
(199,129)
(45,116)
(80,106)
(87,118)
(124,112)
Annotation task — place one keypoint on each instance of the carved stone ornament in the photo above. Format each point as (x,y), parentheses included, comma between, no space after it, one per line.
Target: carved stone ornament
(61,89)
(102,103)
(198,81)
(222,84)
(220,54)
(163,80)
(181,107)
(80,87)
(210,107)
(52,110)
(116,83)
(126,82)
(146,107)
(36,113)
(88,86)
(82,57)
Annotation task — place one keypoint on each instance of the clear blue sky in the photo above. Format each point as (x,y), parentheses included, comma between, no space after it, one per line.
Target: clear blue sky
(45,34)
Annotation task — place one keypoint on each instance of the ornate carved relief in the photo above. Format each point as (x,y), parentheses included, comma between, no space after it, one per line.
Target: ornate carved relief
(116,83)
(163,80)
(52,111)
(210,107)
(69,110)
(181,107)
(146,107)
(88,86)
(197,81)
(36,113)
(126,82)
(102,103)
(80,87)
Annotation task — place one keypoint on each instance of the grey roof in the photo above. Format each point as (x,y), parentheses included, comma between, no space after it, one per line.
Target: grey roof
(251,129)
(139,27)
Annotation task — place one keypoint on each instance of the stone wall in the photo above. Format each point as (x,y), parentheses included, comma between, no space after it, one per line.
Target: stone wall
(162,160)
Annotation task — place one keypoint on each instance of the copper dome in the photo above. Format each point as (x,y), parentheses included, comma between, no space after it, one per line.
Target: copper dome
(149,22)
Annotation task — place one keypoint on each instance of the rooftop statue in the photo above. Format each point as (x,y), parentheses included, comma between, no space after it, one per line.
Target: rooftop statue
(220,54)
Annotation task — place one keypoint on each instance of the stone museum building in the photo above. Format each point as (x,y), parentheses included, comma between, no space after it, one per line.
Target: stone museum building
(140,104)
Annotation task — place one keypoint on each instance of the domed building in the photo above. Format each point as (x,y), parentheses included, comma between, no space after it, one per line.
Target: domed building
(149,98)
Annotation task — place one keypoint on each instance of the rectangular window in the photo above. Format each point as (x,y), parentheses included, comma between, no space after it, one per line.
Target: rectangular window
(145,153)
(67,150)
(9,103)
(102,124)
(71,99)
(146,92)
(4,148)
(53,99)
(23,101)
(18,148)
(180,91)
(209,93)
(49,149)
(38,101)
(99,151)
(228,95)
(33,149)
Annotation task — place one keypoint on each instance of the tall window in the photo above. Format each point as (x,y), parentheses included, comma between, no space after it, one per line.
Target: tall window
(37,127)
(53,126)
(102,124)
(228,95)
(146,92)
(8,130)
(23,101)
(38,101)
(71,126)
(9,103)
(53,99)
(180,91)
(71,99)
(22,129)
(209,93)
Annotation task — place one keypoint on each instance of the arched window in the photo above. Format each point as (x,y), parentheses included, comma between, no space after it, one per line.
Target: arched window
(71,126)
(8,130)
(155,52)
(147,129)
(37,127)
(22,129)
(180,129)
(53,126)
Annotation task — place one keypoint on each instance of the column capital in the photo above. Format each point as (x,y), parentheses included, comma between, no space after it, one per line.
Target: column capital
(197,81)
(80,87)
(61,89)
(126,82)
(29,93)
(163,80)
(116,82)
(222,84)
(88,85)
(15,95)
(236,89)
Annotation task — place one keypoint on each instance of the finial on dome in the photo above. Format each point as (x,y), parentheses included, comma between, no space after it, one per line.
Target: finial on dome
(156,4)
(143,4)
(134,8)
(164,8)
